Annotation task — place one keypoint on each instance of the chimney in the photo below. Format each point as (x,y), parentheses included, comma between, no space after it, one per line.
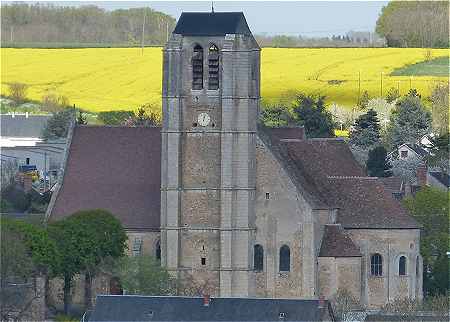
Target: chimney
(421,174)
(321,302)
(26,114)
(206,300)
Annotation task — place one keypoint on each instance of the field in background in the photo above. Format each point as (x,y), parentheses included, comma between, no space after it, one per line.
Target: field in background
(101,79)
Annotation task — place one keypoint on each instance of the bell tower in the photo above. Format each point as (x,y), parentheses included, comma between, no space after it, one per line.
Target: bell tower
(210,98)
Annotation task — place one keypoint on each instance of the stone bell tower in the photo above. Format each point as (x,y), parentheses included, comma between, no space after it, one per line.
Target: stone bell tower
(211,93)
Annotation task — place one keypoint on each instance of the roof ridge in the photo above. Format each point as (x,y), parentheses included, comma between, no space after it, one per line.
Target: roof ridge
(352,177)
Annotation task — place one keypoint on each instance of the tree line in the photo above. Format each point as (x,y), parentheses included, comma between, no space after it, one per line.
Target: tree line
(415,24)
(46,23)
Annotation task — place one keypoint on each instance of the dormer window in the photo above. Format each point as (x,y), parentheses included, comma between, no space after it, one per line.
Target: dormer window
(404,154)
(197,68)
(213,67)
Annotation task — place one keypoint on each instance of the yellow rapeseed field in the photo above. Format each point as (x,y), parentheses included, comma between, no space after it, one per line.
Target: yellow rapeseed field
(100,79)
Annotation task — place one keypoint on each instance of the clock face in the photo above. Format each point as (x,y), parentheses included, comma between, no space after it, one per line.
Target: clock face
(203,119)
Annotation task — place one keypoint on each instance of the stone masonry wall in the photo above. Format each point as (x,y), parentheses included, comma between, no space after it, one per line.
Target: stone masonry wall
(283,218)
(391,244)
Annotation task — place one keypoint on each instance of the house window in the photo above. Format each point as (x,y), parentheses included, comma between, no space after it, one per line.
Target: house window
(267,196)
(197,68)
(404,154)
(137,246)
(158,250)
(213,67)
(376,265)
(258,258)
(285,259)
(402,266)
(203,261)
(27,161)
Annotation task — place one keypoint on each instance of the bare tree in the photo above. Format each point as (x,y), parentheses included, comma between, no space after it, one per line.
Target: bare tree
(18,92)
(9,171)
(344,302)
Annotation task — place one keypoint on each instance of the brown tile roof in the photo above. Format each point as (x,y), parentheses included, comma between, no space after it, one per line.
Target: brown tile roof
(318,167)
(337,243)
(286,133)
(364,202)
(113,168)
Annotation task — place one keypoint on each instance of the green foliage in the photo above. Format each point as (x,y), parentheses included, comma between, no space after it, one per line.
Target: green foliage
(58,125)
(376,164)
(67,25)
(364,100)
(144,275)
(430,207)
(409,24)
(366,131)
(275,116)
(84,240)
(144,117)
(409,121)
(66,318)
(81,119)
(16,198)
(439,148)
(28,248)
(114,117)
(392,95)
(310,111)
(15,259)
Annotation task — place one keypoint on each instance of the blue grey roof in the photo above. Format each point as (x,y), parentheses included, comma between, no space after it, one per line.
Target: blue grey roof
(20,125)
(211,24)
(442,177)
(175,308)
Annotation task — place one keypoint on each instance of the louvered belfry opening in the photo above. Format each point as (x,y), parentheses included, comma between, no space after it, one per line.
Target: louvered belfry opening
(213,67)
(197,68)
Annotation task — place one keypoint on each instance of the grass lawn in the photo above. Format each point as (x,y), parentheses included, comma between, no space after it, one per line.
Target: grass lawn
(435,67)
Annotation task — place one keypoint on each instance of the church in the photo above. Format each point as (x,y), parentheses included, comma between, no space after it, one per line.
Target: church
(231,207)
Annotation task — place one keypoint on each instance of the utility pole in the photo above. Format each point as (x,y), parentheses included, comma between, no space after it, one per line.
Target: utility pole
(381,84)
(359,86)
(143,31)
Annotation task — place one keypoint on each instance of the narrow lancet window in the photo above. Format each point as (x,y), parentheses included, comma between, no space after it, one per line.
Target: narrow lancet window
(285,259)
(213,67)
(197,68)
(258,260)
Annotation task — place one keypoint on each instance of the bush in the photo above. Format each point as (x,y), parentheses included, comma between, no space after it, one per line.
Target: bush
(58,125)
(16,197)
(18,92)
(114,117)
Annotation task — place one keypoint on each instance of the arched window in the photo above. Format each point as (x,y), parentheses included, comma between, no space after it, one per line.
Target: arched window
(376,265)
(258,258)
(213,67)
(197,68)
(158,250)
(285,259)
(402,266)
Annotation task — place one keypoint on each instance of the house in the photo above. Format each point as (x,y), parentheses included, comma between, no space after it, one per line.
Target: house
(233,207)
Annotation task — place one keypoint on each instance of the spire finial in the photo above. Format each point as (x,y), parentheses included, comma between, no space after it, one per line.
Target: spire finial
(212,6)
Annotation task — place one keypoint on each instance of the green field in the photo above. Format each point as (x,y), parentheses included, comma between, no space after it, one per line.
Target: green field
(103,79)
(435,67)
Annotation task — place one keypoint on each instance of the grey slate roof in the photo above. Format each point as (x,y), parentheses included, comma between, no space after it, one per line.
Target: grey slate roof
(442,177)
(22,126)
(211,24)
(175,308)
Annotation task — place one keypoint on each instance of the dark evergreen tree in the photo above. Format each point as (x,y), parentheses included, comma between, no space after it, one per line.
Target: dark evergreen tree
(310,111)
(366,131)
(376,164)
